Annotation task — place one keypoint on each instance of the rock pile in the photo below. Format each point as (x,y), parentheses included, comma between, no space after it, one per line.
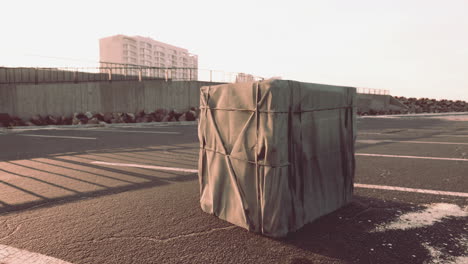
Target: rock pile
(422,105)
(7,120)
(159,115)
(426,105)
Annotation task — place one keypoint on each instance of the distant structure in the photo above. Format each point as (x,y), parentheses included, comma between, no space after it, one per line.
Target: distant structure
(142,51)
(244,77)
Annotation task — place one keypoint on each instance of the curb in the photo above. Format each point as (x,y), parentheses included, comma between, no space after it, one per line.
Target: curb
(54,127)
(417,115)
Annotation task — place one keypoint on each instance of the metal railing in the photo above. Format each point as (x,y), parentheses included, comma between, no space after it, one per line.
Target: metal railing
(362,90)
(117,72)
(127,72)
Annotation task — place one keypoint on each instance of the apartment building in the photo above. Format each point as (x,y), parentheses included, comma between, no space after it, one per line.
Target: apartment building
(166,59)
(244,77)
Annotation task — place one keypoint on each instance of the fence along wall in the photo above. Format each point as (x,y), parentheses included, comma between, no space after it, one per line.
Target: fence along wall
(47,75)
(75,75)
(25,100)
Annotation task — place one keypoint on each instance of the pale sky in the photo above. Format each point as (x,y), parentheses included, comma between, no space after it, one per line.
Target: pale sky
(411,47)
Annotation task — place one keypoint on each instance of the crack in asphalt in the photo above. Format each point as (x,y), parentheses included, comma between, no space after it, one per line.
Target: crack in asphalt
(11,233)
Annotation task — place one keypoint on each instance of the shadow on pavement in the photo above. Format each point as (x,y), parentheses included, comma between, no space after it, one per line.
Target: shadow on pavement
(51,181)
(347,235)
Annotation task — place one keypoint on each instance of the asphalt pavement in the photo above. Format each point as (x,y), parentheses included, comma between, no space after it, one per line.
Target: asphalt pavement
(131,195)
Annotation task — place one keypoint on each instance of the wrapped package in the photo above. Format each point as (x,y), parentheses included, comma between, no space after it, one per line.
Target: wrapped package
(275,154)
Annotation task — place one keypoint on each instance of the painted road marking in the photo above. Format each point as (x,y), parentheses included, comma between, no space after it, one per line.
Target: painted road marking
(433,213)
(462,136)
(408,157)
(48,136)
(135,131)
(373,141)
(357,185)
(404,189)
(144,166)
(11,255)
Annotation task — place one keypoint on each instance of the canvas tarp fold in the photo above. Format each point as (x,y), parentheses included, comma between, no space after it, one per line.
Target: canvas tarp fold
(276,154)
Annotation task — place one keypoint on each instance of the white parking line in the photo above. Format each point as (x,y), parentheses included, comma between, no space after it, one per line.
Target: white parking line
(136,131)
(357,185)
(48,136)
(11,255)
(373,141)
(144,166)
(461,136)
(404,189)
(408,157)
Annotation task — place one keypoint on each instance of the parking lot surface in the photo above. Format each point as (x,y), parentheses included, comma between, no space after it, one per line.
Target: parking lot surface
(131,195)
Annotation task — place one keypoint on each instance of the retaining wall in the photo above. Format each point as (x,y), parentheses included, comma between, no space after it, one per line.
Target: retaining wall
(64,99)
(367,103)
(25,100)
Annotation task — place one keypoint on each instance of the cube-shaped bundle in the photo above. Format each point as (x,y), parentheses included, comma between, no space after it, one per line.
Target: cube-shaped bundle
(276,154)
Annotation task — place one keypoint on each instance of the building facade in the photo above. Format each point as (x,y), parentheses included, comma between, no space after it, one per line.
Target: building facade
(244,77)
(160,59)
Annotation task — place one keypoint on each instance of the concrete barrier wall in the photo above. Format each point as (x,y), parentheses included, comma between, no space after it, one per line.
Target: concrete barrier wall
(25,100)
(377,102)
